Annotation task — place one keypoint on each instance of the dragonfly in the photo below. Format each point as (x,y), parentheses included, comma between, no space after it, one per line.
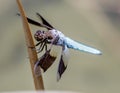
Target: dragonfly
(55,37)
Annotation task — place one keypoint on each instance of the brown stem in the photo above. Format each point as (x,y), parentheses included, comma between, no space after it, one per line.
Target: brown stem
(38,81)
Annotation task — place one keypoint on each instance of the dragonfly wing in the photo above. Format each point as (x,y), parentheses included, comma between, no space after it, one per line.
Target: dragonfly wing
(33,22)
(81,47)
(63,63)
(44,62)
(45,22)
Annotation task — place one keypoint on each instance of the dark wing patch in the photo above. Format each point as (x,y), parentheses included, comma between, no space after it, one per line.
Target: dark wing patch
(31,21)
(45,61)
(63,62)
(45,22)
(61,68)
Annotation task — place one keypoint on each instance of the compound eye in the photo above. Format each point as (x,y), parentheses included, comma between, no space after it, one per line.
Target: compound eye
(38,32)
(39,35)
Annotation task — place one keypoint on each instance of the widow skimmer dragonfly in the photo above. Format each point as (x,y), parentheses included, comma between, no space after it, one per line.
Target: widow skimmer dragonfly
(55,37)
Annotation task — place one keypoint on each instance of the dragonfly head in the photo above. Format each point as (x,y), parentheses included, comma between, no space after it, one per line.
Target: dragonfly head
(39,35)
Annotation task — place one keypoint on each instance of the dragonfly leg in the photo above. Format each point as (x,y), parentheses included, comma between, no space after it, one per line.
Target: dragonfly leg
(35,45)
(41,43)
(40,48)
(38,43)
(46,47)
(33,48)
(44,44)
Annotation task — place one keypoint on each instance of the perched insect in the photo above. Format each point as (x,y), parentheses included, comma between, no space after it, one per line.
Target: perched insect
(55,37)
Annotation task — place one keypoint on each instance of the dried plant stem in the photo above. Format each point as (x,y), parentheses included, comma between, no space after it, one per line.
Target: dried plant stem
(38,81)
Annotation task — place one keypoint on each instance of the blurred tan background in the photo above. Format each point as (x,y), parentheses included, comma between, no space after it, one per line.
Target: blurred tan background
(93,22)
